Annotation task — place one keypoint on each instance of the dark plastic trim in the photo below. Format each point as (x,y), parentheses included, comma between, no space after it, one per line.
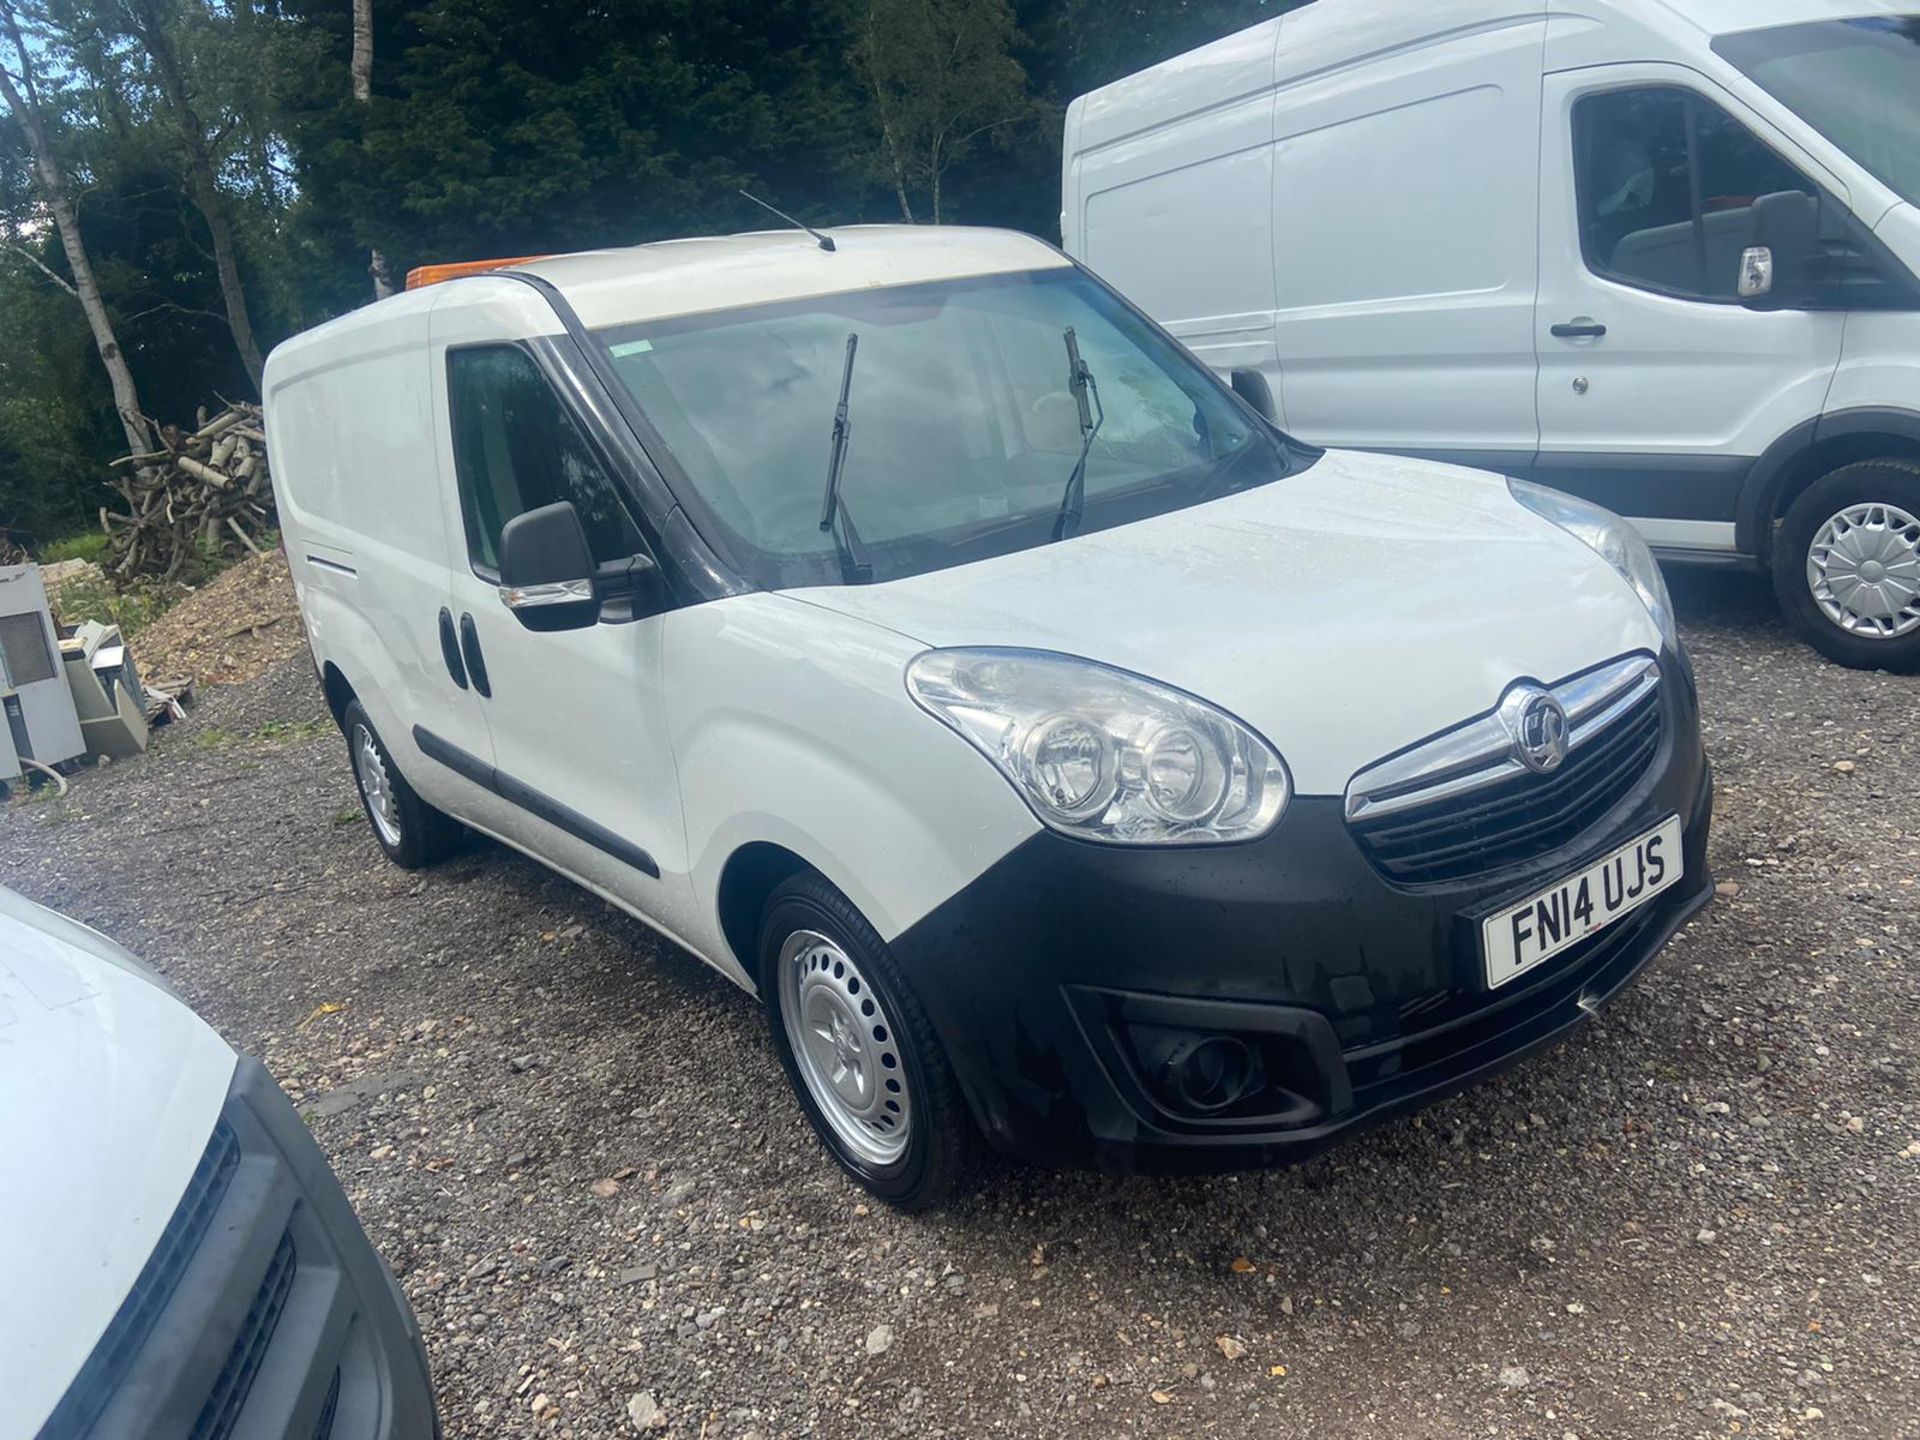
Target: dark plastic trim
(534,802)
(476,661)
(450,649)
(1652,487)
(1759,502)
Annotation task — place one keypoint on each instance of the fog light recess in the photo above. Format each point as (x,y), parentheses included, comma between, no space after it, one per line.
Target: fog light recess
(1199,1074)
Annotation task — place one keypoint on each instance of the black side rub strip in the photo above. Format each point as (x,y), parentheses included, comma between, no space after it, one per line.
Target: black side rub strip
(515,792)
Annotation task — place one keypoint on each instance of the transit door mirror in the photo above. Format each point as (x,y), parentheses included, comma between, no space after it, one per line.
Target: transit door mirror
(1780,267)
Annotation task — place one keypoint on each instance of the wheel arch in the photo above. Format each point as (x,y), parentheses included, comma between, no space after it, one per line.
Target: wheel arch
(339,692)
(1807,452)
(751,874)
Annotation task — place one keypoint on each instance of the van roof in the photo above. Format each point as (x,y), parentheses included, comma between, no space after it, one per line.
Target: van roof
(1316,40)
(687,277)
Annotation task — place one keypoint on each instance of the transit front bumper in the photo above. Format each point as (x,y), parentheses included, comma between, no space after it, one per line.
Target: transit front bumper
(264,1310)
(1366,998)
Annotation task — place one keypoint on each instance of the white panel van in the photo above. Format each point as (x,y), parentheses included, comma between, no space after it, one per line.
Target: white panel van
(919,635)
(1658,253)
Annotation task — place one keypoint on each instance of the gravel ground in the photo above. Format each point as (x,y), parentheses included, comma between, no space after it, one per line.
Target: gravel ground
(1697,1217)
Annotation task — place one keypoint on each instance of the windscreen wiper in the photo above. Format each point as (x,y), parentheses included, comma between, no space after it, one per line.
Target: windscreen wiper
(854,569)
(1092,416)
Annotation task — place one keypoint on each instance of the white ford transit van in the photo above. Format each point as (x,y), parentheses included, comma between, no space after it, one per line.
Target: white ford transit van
(917,634)
(175,1255)
(1658,253)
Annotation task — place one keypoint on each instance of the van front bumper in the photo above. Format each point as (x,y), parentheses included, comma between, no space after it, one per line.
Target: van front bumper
(264,1309)
(1059,979)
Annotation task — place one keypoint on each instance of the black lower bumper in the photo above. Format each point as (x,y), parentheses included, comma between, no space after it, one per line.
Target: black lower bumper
(1053,977)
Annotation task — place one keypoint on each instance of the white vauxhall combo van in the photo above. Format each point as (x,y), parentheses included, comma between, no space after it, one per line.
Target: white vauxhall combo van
(1658,253)
(176,1258)
(919,635)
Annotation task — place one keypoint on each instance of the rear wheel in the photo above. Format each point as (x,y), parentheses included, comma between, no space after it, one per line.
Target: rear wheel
(859,1049)
(411,831)
(1846,565)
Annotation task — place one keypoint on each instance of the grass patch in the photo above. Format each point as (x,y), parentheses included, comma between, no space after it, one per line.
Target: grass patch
(280,732)
(132,609)
(87,545)
(274,732)
(349,815)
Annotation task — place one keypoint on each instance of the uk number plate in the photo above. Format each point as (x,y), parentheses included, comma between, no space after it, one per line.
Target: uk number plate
(1539,928)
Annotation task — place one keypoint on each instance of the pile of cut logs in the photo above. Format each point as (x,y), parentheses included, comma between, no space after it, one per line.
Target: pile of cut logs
(199,500)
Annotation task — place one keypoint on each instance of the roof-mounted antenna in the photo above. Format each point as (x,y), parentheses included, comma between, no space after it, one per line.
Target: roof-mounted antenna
(826,241)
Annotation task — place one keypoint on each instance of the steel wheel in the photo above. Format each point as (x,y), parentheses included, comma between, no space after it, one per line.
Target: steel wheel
(376,786)
(1863,568)
(844,1047)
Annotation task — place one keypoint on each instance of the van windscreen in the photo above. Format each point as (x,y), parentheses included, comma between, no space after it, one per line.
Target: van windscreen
(1855,81)
(964,423)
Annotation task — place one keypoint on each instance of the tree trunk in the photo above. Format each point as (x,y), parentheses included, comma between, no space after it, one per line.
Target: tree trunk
(24,101)
(204,187)
(892,141)
(363,95)
(899,170)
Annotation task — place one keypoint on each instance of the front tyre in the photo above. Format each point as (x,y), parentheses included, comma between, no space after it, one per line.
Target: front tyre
(1846,565)
(411,831)
(859,1050)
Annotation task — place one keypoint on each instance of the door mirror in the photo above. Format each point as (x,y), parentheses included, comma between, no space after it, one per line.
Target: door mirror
(1780,267)
(1251,386)
(547,574)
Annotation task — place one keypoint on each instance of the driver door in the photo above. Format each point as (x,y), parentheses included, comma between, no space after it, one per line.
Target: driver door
(1658,387)
(583,771)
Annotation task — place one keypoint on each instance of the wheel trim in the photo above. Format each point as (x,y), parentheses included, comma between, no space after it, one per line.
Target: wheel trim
(376,786)
(1863,568)
(845,1048)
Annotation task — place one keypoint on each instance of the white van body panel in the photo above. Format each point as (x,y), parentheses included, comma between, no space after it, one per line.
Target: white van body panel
(1392,338)
(1428,331)
(1168,180)
(1298,565)
(94,1050)
(346,406)
(1165,177)
(886,802)
(1877,366)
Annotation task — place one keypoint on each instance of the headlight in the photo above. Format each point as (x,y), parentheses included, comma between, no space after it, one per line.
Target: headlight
(1103,754)
(1613,540)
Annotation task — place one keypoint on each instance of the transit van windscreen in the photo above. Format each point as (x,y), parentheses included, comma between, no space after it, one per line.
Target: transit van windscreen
(1855,81)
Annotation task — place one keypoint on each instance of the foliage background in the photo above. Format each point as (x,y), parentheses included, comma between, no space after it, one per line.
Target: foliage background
(496,127)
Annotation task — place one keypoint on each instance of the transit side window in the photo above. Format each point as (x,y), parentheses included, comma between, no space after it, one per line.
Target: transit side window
(1666,182)
(515,448)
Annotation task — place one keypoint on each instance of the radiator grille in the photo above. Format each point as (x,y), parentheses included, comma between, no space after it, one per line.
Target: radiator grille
(133,1322)
(222,1410)
(1504,824)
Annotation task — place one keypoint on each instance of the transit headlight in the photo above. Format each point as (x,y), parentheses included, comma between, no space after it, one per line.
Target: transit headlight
(1103,754)
(1613,540)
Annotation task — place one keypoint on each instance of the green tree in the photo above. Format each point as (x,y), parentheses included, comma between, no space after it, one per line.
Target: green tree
(943,80)
(34,108)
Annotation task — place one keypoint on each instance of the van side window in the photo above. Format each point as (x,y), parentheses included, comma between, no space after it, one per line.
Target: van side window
(1666,182)
(515,448)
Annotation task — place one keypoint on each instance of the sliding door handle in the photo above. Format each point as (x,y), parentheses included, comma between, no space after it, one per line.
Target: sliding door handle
(450,649)
(476,662)
(1579,329)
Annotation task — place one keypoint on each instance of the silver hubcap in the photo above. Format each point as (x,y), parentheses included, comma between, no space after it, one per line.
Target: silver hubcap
(376,786)
(844,1042)
(1864,569)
